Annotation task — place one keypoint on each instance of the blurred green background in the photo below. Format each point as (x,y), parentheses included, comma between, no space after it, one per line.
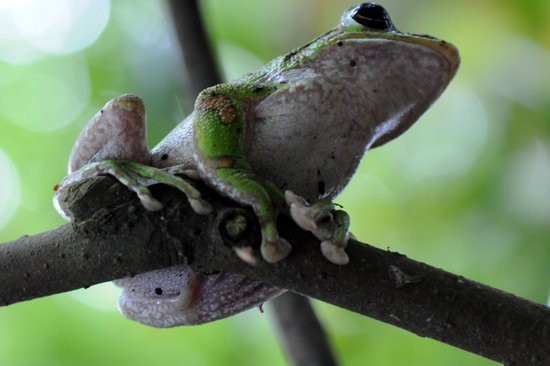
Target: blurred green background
(467,189)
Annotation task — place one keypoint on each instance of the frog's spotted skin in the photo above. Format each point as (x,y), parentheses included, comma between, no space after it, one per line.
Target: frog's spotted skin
(221,106)
(287,137)
(156,298)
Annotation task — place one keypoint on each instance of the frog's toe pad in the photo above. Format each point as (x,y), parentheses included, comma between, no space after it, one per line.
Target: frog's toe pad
(246,254)
(301,213)
(149,202)
(200,206)
(334,253)
(291,197)
(275,250)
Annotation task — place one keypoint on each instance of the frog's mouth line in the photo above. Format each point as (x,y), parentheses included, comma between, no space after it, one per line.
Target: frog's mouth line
(447,50)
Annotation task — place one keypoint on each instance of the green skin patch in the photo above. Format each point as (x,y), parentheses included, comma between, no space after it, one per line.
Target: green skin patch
(219,132)
(219,135)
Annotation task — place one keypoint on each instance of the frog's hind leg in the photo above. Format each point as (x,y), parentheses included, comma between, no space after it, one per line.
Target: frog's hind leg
(118,131)
(137,177)
(114,143)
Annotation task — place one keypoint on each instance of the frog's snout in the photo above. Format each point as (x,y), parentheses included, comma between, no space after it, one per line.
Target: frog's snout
(449,53)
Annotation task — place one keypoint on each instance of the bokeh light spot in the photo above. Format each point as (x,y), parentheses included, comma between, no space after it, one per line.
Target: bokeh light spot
(447,140)
(526,186)
(103,297)
(32,27)
(143,22)
(520,71)
(9,189)
(237,60)
(44,97)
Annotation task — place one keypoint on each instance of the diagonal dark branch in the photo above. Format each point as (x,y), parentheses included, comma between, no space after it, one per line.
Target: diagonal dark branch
(307,343)
(299,331)
(116,237)
(197,55)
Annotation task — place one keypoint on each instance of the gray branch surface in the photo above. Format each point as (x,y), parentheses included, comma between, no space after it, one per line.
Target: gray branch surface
(115,237)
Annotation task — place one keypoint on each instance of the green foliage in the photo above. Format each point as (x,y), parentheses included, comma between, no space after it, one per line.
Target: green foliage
(467,189)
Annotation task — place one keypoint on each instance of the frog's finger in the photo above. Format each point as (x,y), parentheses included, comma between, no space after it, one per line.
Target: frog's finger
(146,198)
(146,176)
(341,232)
(333,248)
(308,216)
(184,170)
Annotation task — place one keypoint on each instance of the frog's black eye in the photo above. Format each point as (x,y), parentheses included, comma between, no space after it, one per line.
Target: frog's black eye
(372,15)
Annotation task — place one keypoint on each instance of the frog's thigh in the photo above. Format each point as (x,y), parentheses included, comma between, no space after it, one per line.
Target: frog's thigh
(117,131)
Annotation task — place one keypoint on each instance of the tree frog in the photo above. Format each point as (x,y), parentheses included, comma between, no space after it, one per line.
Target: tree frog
(285,138)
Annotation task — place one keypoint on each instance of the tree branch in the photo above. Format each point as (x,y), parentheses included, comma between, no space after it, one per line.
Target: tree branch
(115,237)
(196,51)
(299,331)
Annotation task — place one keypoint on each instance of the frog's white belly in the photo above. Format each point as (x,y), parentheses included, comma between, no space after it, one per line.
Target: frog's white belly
(303,142)
(310,136)
(177,147)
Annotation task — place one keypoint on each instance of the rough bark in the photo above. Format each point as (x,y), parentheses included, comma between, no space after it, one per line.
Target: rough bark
(116,237)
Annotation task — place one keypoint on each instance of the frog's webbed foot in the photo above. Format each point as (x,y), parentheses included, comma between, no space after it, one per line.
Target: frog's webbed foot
(328,225)
(114,143)
(138,177)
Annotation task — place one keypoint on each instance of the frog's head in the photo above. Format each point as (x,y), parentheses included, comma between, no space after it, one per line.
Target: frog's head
(405,71)
(392,77)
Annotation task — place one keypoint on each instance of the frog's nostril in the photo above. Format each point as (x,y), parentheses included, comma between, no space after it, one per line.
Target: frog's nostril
(373,16)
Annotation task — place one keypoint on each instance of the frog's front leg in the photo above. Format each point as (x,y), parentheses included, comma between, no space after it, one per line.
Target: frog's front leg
(114,143)
(219,134)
